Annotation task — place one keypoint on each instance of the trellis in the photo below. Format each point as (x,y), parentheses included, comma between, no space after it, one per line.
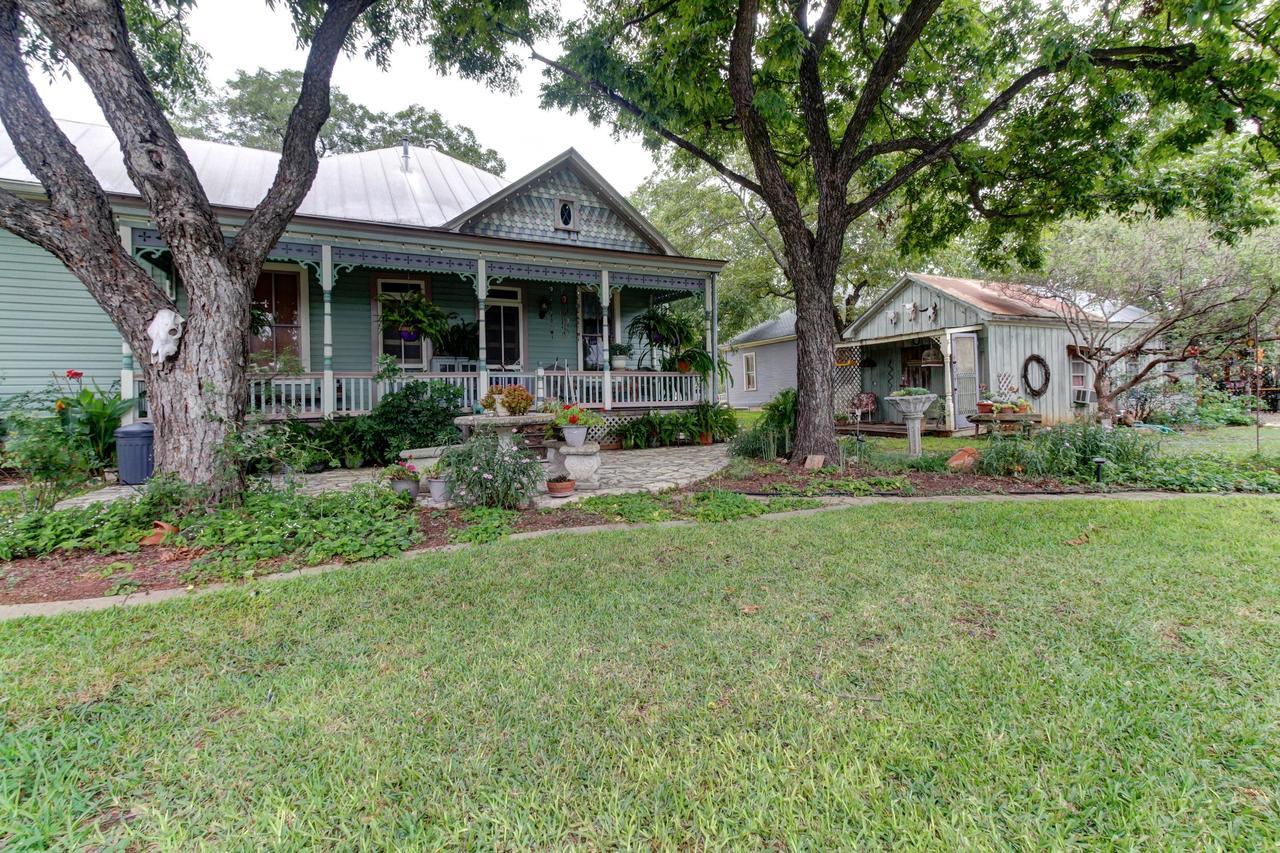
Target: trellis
(847,376)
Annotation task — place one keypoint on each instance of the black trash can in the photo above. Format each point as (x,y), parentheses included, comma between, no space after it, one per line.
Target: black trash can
(135,451)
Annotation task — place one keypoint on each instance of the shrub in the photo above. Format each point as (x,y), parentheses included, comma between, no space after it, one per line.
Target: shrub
(718,421)
(517,399)
(345,439)
(773,435)
(50,461)
(484,472)
(94,415)
(419,415)
(1067,452)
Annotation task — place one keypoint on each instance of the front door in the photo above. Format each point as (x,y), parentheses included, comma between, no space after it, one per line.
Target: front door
(964,377)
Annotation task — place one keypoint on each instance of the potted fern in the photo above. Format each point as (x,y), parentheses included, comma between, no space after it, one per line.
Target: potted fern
(412,316)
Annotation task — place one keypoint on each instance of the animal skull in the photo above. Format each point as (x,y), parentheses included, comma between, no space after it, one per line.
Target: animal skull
(164,331)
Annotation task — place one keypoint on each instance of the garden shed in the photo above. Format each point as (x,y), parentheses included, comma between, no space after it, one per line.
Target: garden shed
(959,337)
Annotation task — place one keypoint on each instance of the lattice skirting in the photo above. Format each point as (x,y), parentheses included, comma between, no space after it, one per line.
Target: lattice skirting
(615,417)
(847,376)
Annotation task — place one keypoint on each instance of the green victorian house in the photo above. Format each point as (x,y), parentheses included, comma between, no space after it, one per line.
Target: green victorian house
(537,277)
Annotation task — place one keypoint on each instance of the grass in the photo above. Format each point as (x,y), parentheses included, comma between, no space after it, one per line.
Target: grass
(1234,442)
(936,675)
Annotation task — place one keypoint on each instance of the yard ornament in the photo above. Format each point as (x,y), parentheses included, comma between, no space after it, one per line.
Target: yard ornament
(164,331)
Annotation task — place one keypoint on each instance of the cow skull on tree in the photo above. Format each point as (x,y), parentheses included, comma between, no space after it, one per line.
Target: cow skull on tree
(1007,115)
(197,398)
(1138,297)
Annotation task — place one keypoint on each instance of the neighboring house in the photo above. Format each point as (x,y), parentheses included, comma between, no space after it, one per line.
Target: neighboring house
(550,268)
(957,336)
(762,361)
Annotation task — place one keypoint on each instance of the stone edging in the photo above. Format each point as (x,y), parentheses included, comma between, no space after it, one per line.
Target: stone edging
(82,605)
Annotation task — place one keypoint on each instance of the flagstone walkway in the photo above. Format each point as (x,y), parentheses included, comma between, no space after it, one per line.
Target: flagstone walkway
(620,471)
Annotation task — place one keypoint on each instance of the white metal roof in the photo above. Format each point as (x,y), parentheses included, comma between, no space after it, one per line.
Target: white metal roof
(368,186)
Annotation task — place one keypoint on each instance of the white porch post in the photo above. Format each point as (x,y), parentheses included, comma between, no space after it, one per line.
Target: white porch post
(948,396)
(328,391)
(606,393)
(714,335)
(482,291)
(128,385)
(709,333)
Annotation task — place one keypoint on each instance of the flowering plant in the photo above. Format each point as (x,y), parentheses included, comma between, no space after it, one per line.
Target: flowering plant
(485,472)
(573,415)
(401,470)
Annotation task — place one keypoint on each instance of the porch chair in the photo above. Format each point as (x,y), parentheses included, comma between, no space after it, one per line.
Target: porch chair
(863,406)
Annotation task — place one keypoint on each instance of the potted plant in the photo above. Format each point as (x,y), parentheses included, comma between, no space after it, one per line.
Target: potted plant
(517,400)
(403,477)
(437,486)
(492,401)
(618,355)
(561,486)
(412,316)
(712,423)
(573,422)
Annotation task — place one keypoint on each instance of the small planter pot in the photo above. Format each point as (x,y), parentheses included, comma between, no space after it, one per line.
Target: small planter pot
(684,366)
(408,334)
(574,436)
(705,438)
(618,362)
(561,489)
(986,408)
(405,487)
(438,489)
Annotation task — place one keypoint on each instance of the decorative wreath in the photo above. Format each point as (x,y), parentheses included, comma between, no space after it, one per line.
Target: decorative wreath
(1035,390)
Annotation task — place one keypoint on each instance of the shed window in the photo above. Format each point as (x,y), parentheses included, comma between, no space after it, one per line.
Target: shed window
(749,371)
(1079,370)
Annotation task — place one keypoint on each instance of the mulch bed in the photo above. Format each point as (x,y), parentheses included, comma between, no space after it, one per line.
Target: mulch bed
(436,524)
(923,484)
(65,575)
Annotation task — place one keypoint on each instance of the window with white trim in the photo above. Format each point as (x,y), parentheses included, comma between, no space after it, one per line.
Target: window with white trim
(749,371)
(408,353)
(278,294)
(504,328)
(1079,372)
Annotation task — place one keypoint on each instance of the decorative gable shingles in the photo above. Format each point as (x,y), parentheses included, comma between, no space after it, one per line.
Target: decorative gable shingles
(530,215)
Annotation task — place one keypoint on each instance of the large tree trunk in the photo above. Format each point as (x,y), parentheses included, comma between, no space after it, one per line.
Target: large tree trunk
(814,284)
(197,400)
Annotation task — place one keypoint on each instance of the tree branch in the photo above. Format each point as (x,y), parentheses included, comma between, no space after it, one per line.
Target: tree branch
(1138,56)
(298,158)
(886,67)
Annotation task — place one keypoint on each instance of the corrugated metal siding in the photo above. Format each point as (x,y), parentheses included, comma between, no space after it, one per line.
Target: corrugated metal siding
(1010,344)
(530,215)
(775,371)
(49,322)
(952,313)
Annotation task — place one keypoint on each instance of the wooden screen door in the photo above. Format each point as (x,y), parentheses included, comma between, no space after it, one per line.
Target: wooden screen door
(964,376)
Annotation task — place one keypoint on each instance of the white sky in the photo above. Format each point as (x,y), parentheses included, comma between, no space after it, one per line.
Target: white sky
(246,34)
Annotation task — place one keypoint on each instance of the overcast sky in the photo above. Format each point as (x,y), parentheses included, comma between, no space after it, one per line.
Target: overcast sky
(246,34)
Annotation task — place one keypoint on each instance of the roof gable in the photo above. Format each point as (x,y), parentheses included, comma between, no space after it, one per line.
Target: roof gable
(526,210)
(781,326)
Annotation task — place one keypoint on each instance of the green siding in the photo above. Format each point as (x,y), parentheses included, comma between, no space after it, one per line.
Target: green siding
(352,322)
(49,323)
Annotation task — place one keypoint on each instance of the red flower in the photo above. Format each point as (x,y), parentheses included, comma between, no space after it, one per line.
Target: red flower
(75,374)
(567,407)
(573,419)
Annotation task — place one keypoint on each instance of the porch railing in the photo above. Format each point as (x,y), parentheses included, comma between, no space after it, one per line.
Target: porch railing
(355,393)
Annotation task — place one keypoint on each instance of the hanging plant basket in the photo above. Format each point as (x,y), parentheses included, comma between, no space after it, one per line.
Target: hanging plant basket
(409,334)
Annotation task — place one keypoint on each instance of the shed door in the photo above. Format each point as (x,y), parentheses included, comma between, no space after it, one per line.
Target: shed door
(964,376)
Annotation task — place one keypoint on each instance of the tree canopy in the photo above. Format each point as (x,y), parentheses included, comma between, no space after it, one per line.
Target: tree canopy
(253,109)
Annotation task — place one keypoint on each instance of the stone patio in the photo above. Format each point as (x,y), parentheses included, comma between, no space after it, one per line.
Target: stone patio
(620,471)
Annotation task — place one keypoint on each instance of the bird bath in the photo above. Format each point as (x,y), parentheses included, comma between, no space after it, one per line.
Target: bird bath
(504,425)
(912,408)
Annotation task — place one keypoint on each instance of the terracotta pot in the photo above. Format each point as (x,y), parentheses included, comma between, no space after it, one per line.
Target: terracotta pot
(684,366)
(986,408)
(705,438)
(1024,408)
(562,489)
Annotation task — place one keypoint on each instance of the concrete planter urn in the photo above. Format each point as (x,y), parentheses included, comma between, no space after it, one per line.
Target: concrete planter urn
(406,487)
(438,489)
(574,436)
(912,408)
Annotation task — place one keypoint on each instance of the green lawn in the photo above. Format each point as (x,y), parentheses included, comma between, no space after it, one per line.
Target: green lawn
(933,675)
(1226,441)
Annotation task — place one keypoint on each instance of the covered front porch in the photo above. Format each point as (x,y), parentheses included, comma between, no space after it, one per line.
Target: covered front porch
(546,323)
(945,361)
